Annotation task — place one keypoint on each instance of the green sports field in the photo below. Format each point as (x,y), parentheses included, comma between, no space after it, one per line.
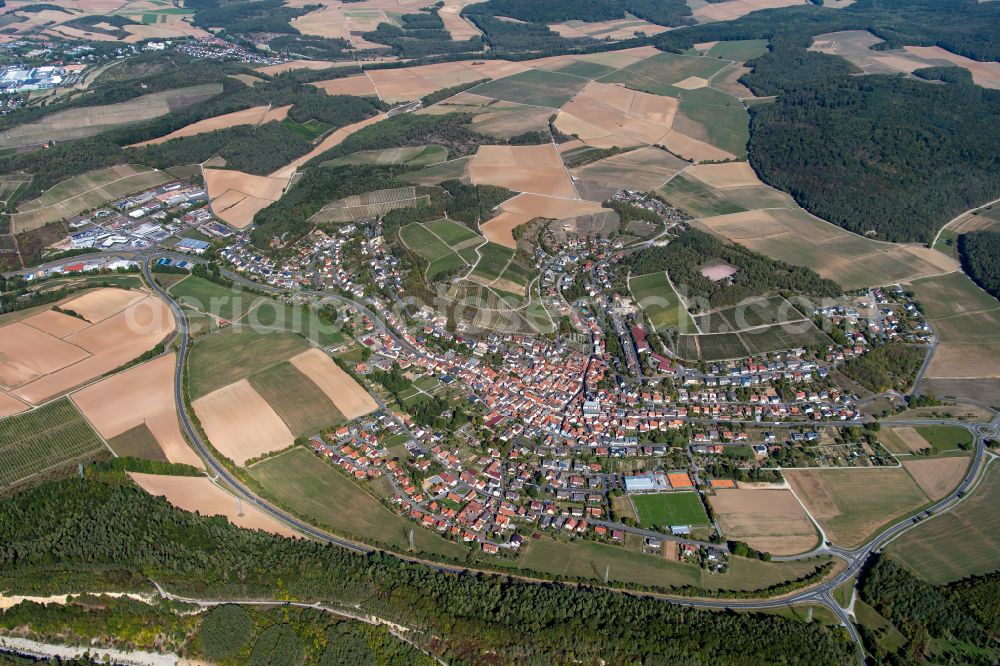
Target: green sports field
(665,509)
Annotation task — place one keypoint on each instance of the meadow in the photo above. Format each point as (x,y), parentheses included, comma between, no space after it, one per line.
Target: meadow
(229,356)
(313,489)
(654,294)
(304,408)
(42,439)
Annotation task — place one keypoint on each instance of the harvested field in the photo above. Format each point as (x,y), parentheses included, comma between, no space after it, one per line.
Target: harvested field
(10,405)
(534,169)
(35,365)
(91,120)
(84,192)
(236,196)
(257,115)
(56,323)
(938,476)
(98,305)
(963,541)
(350,398)
(643,169)
(459,27)
(725,176)
(798,238)
(240,424)
(507,119)
(410,83)
(604,114)
(291,65)
(199,494)
(854,504)
(988,219)
(771,520)
(360,86)
(856,47)
(143,395)
(902,439)
(526,207)
(734,9)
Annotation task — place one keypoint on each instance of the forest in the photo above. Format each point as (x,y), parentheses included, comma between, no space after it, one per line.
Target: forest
(662,12)
(421,35)
(228,634)
(940,624)
(756,275)
(891,366)
(980,254)
(85,534)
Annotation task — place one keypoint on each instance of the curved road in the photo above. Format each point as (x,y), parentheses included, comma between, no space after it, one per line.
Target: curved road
(819,594)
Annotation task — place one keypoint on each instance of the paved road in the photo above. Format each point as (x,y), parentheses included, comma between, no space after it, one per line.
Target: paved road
(819,594)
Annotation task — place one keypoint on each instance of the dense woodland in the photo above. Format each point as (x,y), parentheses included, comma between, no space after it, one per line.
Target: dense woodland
(888,367)
(662,12)
(980,254)
(756,275)
(421,35)
(945,625)
(86,534)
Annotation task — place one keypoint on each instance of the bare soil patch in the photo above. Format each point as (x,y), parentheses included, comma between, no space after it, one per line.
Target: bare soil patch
(726,175)
(140,395)
(253,116)
(734,9)
(10,405)
(938,476)
(534,169)
(199,494)
(240,423)
(770,519)
(349,397)
(526,207)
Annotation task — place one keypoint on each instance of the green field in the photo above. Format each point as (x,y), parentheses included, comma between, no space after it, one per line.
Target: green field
(714,117)
(739,50)
(698,199)
(657,73)
(301,404)
(587,70)
(964,541)
(432,175)
(137,442)
(42,439)
(310,130)
(313,489)
(946,438)
(750,314)
(660,302)
(418,156)
(211,298)
(493,260)
(452,233)
(665,509)
(229,356)
(426,241)
(590,560)
(535,86)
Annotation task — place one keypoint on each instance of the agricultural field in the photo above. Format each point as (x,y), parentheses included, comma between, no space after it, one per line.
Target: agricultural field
(49,353)
(795,237)
(304,408)
(966,362)
(771,520)
(10,184)
(657,298)
(257,115)
(533,169)
(457,169)
(43,439)
(536,87)
(240,424)
(643,169)
(963,541)
(88,121)
(229,356)
(315,490)
(84,192)
(523,208)
(739,50)
(369,205)
(419,156)
(141,397)
(751,314)
(937,476)
(665,509)
(199,493)
(591,560)
(854,504)
(443,244)
(213,299)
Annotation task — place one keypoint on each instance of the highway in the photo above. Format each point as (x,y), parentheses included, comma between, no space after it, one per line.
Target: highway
(821,594)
